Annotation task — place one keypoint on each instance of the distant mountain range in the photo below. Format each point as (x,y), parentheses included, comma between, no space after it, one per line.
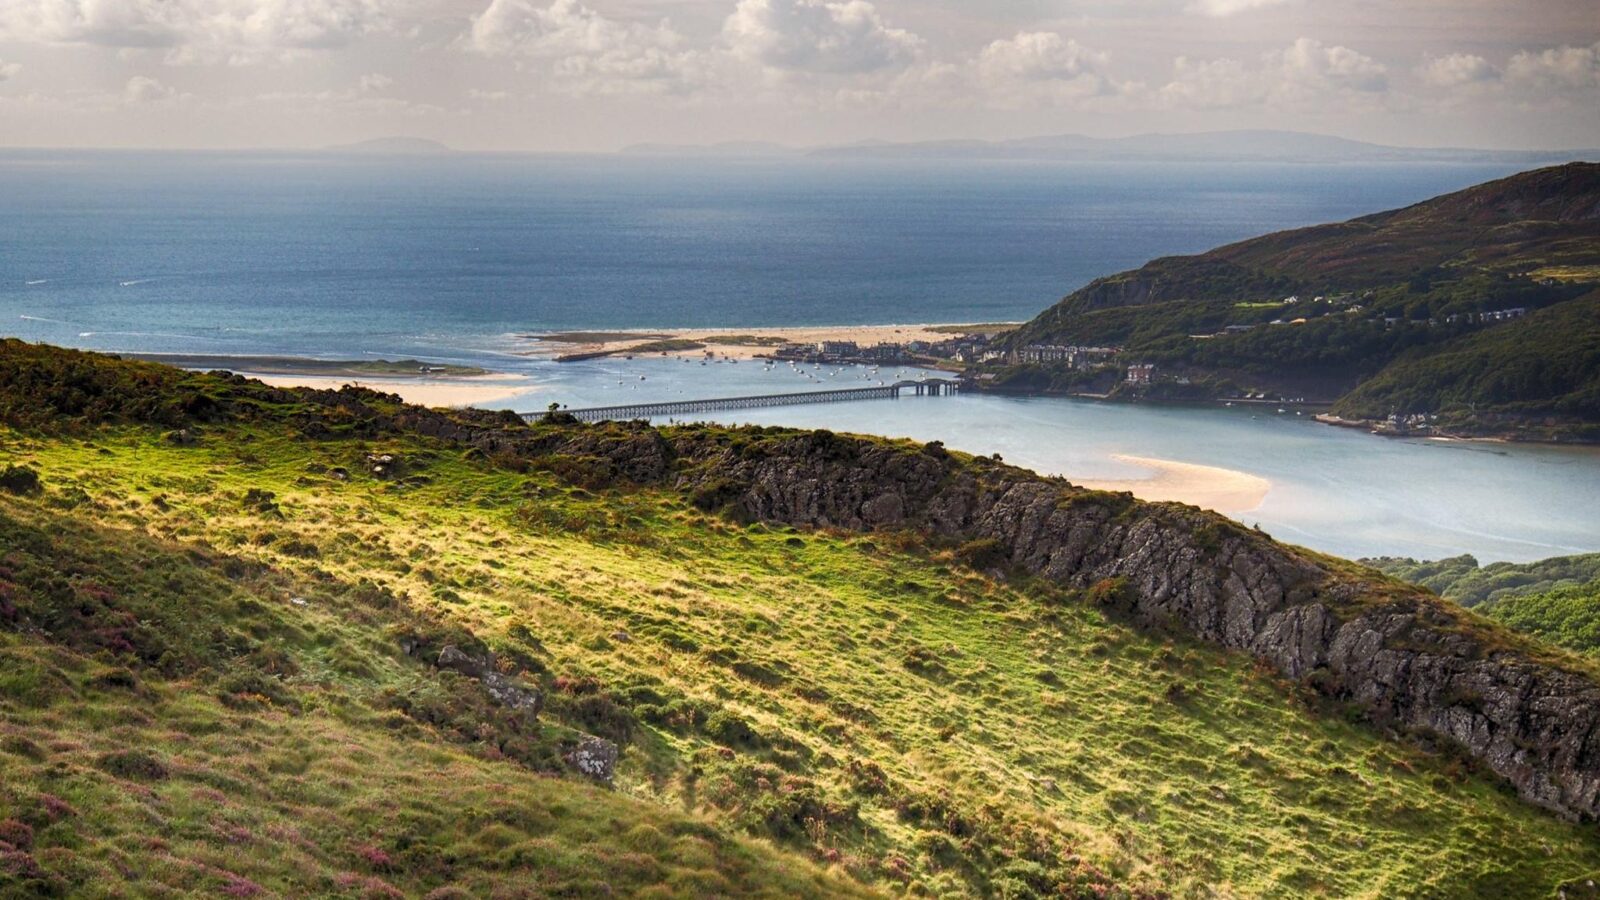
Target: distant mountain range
(1219,146)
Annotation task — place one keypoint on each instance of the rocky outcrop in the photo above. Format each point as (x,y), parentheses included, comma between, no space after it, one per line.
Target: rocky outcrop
(1412,662)
(501,689)
(595,758)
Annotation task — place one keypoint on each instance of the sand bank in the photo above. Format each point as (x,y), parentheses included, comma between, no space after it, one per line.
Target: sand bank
(742,343)
(1211,487)
(475,390)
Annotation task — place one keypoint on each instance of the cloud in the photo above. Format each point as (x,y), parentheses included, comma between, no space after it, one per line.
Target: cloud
(583,50)
(1559,70)
(1041,67)
(815,37)
(1310,64)
(1213,83)
(375,82)
(143,89)
(193,30)
(9,71)
(1457,70)
(1221,8)
(1554,77)
(1305,73)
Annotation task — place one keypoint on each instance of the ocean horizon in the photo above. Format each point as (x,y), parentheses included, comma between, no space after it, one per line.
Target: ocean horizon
(451,258)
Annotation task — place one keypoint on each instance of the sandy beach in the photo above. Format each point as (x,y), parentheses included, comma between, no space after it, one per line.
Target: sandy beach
(1211,487)
(470,390)
(742,343)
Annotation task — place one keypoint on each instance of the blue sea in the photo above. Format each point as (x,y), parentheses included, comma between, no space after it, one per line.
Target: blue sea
(448,257)
(454,259)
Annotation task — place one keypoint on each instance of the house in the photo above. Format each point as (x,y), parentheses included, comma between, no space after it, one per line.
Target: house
(1044,353)
(837,348)
(1141,373)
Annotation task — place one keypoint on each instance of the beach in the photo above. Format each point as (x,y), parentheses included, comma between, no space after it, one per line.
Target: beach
(425,384)
(471,390)
(1212,487)
(738,343)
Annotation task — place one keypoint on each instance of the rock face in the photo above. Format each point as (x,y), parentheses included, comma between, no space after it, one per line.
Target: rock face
(1414,663)
(596,758)
(500,689)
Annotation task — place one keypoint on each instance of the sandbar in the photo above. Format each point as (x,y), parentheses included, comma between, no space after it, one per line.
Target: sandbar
(745,343)
(475,390)
(1211,487)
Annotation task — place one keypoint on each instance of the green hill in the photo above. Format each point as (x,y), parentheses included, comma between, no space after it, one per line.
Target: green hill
(268,642)
(1390,312)
(1557,600)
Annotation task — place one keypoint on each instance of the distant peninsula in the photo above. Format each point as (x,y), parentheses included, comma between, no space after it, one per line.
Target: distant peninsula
(1472,314)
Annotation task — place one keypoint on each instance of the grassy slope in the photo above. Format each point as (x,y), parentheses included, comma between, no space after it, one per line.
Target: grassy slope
(854,699)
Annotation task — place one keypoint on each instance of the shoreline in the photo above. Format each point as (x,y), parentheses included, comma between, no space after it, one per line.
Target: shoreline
(311,366)
(736,343)
(414,381)
(1227,491)
(457,392)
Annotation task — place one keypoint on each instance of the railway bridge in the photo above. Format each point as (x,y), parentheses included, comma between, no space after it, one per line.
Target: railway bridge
(931,387)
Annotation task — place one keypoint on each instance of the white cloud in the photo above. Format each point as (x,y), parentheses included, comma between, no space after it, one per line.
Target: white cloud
(143,89)
(1220,8)
(584,50)
(1562,69)
(1457,70)
(9,70)
(1306,73)
(375,82)
(1310,64)
(193,30)
(816,37)
(1041,67)
(1213,83)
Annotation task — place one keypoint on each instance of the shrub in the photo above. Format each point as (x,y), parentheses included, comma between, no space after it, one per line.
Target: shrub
(730,730)
(134,765)
(982,554)
(19,480)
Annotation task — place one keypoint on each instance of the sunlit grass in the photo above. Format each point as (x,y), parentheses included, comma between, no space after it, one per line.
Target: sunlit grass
(862,700)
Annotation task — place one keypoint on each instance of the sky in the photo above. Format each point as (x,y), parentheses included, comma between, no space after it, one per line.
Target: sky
(597,75)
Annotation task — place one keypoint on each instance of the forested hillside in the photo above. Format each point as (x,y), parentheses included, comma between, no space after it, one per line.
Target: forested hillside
(1557,600)
(1477,306)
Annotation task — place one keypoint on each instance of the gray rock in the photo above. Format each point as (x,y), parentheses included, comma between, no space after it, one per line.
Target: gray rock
(595,758)
(1411,661)
(500,688)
